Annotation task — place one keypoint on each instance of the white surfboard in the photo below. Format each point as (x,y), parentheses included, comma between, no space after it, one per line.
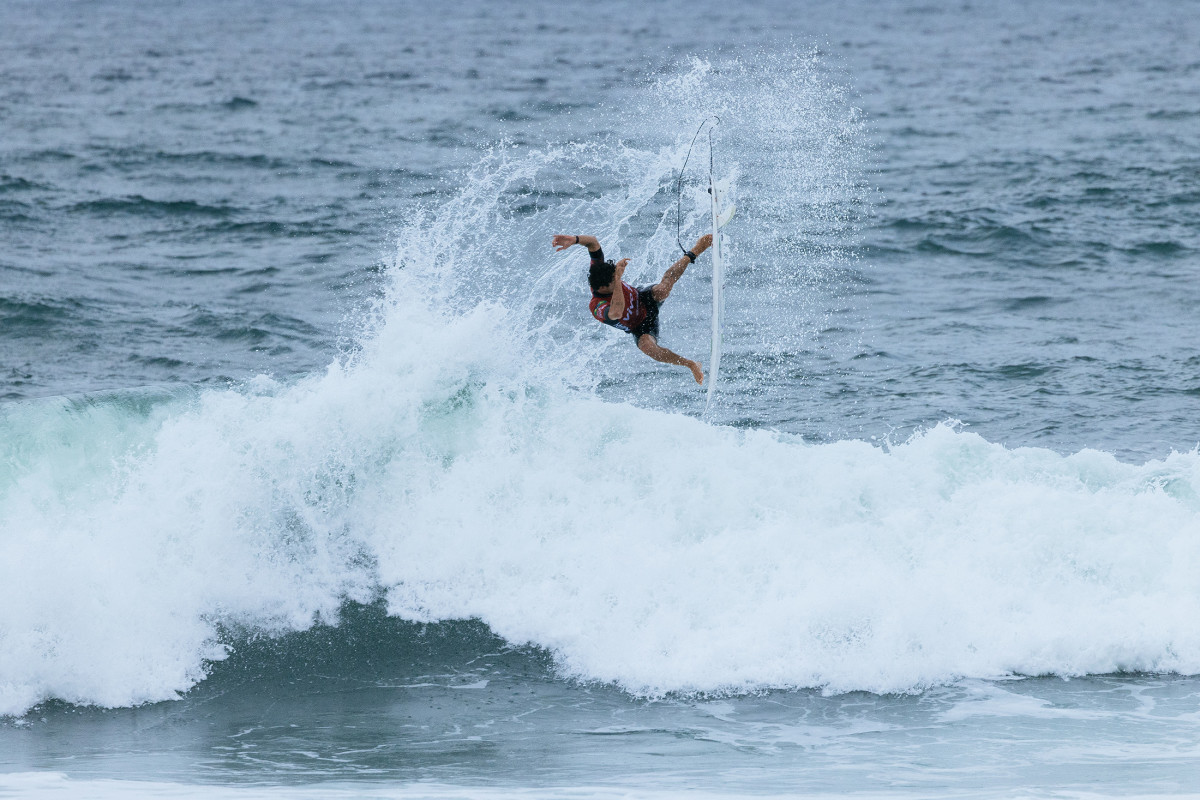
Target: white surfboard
(722,212)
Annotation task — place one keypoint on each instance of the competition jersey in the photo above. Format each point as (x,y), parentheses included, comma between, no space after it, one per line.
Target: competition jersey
(635,311)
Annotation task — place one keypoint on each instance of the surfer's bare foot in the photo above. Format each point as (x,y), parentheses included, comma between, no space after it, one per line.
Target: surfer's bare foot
(697,373)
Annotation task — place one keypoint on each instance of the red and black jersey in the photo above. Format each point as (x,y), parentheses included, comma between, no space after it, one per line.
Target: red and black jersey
(635,309)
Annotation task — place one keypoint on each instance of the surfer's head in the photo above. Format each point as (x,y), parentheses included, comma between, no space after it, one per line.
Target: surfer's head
(601,275)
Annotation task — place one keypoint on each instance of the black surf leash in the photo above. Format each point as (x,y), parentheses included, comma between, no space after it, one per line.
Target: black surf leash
(679,182)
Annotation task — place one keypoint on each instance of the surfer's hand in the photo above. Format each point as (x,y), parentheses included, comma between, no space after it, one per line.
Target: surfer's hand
(703,243)
(624,262)
(562,242)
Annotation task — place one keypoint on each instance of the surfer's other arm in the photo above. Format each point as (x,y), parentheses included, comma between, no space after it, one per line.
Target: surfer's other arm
(616,306)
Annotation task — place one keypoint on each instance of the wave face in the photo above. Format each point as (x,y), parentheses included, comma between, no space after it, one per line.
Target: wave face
(473,460)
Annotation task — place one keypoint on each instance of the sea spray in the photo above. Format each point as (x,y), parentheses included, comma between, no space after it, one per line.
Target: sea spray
(796,148)
(799,149)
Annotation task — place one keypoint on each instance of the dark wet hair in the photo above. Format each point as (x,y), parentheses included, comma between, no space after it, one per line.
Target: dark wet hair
(601,275)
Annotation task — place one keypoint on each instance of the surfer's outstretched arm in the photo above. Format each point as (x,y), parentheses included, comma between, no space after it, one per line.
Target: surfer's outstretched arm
(662,289)
(650,346)
(562,241)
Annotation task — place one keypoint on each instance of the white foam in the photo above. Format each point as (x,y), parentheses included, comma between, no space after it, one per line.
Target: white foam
(660,554)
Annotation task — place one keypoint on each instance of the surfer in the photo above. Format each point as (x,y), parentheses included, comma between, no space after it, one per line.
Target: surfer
(633,310)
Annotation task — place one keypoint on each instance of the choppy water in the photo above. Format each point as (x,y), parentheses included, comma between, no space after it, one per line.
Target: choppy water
(316,477)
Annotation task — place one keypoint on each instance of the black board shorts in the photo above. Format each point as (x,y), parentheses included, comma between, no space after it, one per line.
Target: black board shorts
(650,323)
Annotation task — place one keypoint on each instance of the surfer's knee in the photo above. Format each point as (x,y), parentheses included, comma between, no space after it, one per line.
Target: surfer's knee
(650,346)
(660,291)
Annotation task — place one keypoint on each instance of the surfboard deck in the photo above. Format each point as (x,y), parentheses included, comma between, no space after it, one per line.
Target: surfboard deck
(721,214)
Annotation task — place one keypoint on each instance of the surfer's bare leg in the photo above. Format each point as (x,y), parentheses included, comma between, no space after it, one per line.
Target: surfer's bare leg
(662,289)
(650,346)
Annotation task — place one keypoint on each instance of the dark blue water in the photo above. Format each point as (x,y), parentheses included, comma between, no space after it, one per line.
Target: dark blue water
(303,423)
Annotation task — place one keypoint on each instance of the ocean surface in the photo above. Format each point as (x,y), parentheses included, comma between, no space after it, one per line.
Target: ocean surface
(318,480)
